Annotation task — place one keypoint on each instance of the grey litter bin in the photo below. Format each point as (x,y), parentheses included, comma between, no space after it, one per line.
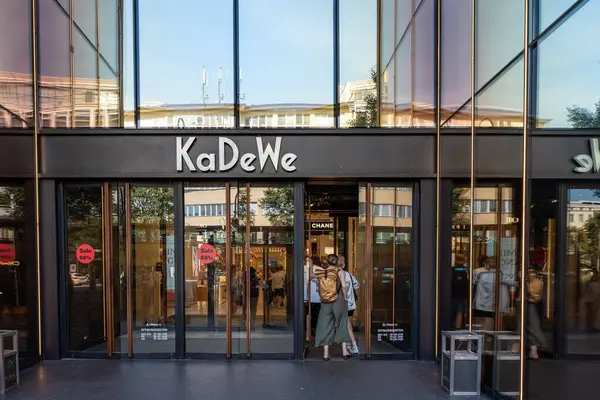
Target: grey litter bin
(502,362)
(461,363)
(10,360)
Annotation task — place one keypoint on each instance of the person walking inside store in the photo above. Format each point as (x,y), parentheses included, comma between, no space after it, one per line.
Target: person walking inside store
(278,285)
(332,325)
(352,290)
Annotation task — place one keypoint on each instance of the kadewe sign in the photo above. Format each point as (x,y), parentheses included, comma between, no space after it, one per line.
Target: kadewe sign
(193,158)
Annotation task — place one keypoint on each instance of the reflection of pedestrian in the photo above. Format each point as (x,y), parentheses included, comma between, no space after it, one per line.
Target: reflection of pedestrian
(592,303)
(534,289)
(460,294)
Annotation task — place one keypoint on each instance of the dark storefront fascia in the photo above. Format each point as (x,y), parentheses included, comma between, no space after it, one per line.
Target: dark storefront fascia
(353,154)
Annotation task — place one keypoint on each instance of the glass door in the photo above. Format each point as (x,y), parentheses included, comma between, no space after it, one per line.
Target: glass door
(387,267)
(92,274)
(493,281)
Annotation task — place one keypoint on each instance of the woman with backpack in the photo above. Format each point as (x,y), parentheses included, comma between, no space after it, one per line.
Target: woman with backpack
(332,325)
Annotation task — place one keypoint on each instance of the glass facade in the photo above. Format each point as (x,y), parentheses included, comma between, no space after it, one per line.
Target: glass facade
(156,261)
(103,64)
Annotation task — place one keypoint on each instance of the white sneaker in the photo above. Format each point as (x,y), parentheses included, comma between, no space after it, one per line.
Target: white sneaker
(354,348)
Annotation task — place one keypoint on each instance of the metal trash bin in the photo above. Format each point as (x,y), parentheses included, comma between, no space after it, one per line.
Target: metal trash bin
(461,363)
(10,360)
(502,363)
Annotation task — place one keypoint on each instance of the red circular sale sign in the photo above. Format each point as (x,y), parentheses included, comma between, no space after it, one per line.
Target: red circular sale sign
(207,254)
(85,254)
(7,252)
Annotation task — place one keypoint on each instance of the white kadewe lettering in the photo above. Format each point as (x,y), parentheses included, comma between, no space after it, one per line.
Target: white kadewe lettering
(587,162)
(229,154)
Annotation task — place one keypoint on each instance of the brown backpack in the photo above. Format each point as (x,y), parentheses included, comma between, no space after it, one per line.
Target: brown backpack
(535,288)
(329,284)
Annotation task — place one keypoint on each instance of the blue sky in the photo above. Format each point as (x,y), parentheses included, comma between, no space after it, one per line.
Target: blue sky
(286,52)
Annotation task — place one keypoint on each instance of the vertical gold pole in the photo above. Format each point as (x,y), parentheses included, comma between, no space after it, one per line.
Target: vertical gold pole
(392,74)
(378,74)
(120,110)
(472,164)
(248,245)
(308,286)
(498,250)
(394,280)
(129,269)
(412,63)
(228,268)
(103,224)
(72,60)
(524,196)
(549,265)
(36,131)
(98,61)
(438,173)
(369,269)
(107,275)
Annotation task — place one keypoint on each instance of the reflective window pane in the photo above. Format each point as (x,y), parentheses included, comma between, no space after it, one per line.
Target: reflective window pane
(582,272)
(456,59)
(85,84)
(387,95)
(84,17)
(501,104)
(272,268)
(108,45)
(186,64)
(286,62)
(499,39)
(108,42)
(550,10)
(153,261)
(424,65)
(403,58)
(16,93)
(568,85)
(15,270)
(358,63)
(392,291)
(85,277)
(205,271)
(388,13)
(128,65)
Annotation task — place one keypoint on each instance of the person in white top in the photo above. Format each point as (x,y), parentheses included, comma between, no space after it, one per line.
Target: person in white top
(315,299)
(351,288)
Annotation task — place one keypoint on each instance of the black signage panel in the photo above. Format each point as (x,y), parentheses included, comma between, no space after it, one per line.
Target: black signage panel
(565,157)
(238,156)
(16,156)
(496,156)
